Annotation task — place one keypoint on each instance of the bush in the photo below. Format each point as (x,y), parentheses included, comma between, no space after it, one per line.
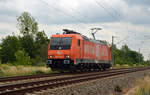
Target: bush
(11,70)
(37,61)
(9,46)
(22,58)
(1,71)
(39,72)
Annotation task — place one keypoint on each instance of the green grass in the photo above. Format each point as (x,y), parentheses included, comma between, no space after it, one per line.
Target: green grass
(127,66)
(144,87)
(17,70)
(10,70)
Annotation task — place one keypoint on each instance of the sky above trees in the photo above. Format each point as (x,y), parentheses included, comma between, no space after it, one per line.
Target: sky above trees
(128,19)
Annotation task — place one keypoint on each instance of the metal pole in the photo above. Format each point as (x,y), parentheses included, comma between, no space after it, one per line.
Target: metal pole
(139,55)
(148,60)
(112,51)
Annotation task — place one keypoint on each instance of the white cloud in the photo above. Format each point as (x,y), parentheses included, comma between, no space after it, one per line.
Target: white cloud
(148,9)
(81,15)
(7,29)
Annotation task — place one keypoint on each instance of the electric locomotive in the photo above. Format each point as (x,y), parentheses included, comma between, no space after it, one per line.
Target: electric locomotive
(73,51)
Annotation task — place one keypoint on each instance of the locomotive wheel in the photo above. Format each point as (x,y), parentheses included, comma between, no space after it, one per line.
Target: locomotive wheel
(72,69)
(100,67)
(103,68)
(81,68)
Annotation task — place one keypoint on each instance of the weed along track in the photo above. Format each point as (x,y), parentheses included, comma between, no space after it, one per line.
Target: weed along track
(37,85)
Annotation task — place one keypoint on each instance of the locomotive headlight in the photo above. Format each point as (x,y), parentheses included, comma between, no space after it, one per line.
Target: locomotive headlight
(51,56)
(67,56)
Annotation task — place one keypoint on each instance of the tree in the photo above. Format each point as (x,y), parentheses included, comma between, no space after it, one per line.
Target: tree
(41,42)
(22,58)
(9,46)
(29,28)
(125,48)
(0,54)
(28,45)
(127,56)
(27,24)
(33,42)
(41,38)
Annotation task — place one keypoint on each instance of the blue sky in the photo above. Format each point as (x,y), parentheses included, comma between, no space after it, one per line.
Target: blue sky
(121,18)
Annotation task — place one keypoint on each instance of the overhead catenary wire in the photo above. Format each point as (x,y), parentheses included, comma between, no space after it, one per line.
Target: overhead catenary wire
(67,14)
(122,40)
(101,6)
(109,13)
(116,12)
(73,17)
(60,11)
(109,7)
(74,10)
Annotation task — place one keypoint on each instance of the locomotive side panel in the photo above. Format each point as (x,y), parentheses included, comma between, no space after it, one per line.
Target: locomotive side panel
(98,53)
(103,52)
(89,50)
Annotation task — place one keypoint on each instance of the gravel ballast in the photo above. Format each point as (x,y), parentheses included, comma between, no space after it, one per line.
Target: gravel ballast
(105,86)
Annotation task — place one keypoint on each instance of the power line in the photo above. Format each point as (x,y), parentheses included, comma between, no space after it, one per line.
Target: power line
(78,13)
(109,13)
(114,10)
(100,5)
(122,40)
(57,9)
(60,10)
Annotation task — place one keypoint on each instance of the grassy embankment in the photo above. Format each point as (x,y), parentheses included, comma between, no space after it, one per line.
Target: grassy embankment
(127,66)
(11,70)
(17,70)
(142,87)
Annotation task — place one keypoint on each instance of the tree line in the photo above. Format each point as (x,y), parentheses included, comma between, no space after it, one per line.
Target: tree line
(30,47)
(127,56)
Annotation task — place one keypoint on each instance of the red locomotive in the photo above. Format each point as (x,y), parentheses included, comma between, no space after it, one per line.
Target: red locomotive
(72,51)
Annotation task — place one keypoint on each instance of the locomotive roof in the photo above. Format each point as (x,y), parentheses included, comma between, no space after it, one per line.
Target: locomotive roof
(66,31)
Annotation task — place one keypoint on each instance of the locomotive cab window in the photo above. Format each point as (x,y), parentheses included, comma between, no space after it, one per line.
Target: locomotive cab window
(78,42)
(60,43)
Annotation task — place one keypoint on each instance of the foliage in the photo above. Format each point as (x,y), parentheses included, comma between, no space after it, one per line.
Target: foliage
(9,46)
(22,58)
(0,54)
(41,44)
(31,44)
(127,56)
(38,61)
(28,44)
(11,70)
(27,24)
(34,42)
(142,87)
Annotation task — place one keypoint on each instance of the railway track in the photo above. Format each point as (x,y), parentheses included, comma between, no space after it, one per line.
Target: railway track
(16,78)
(29,87)
(27,77)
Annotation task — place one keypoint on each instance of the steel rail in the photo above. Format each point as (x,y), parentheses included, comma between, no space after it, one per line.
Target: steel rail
(65,81)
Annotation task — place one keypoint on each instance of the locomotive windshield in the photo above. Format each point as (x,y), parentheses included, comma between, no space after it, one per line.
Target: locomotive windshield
(60,43)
